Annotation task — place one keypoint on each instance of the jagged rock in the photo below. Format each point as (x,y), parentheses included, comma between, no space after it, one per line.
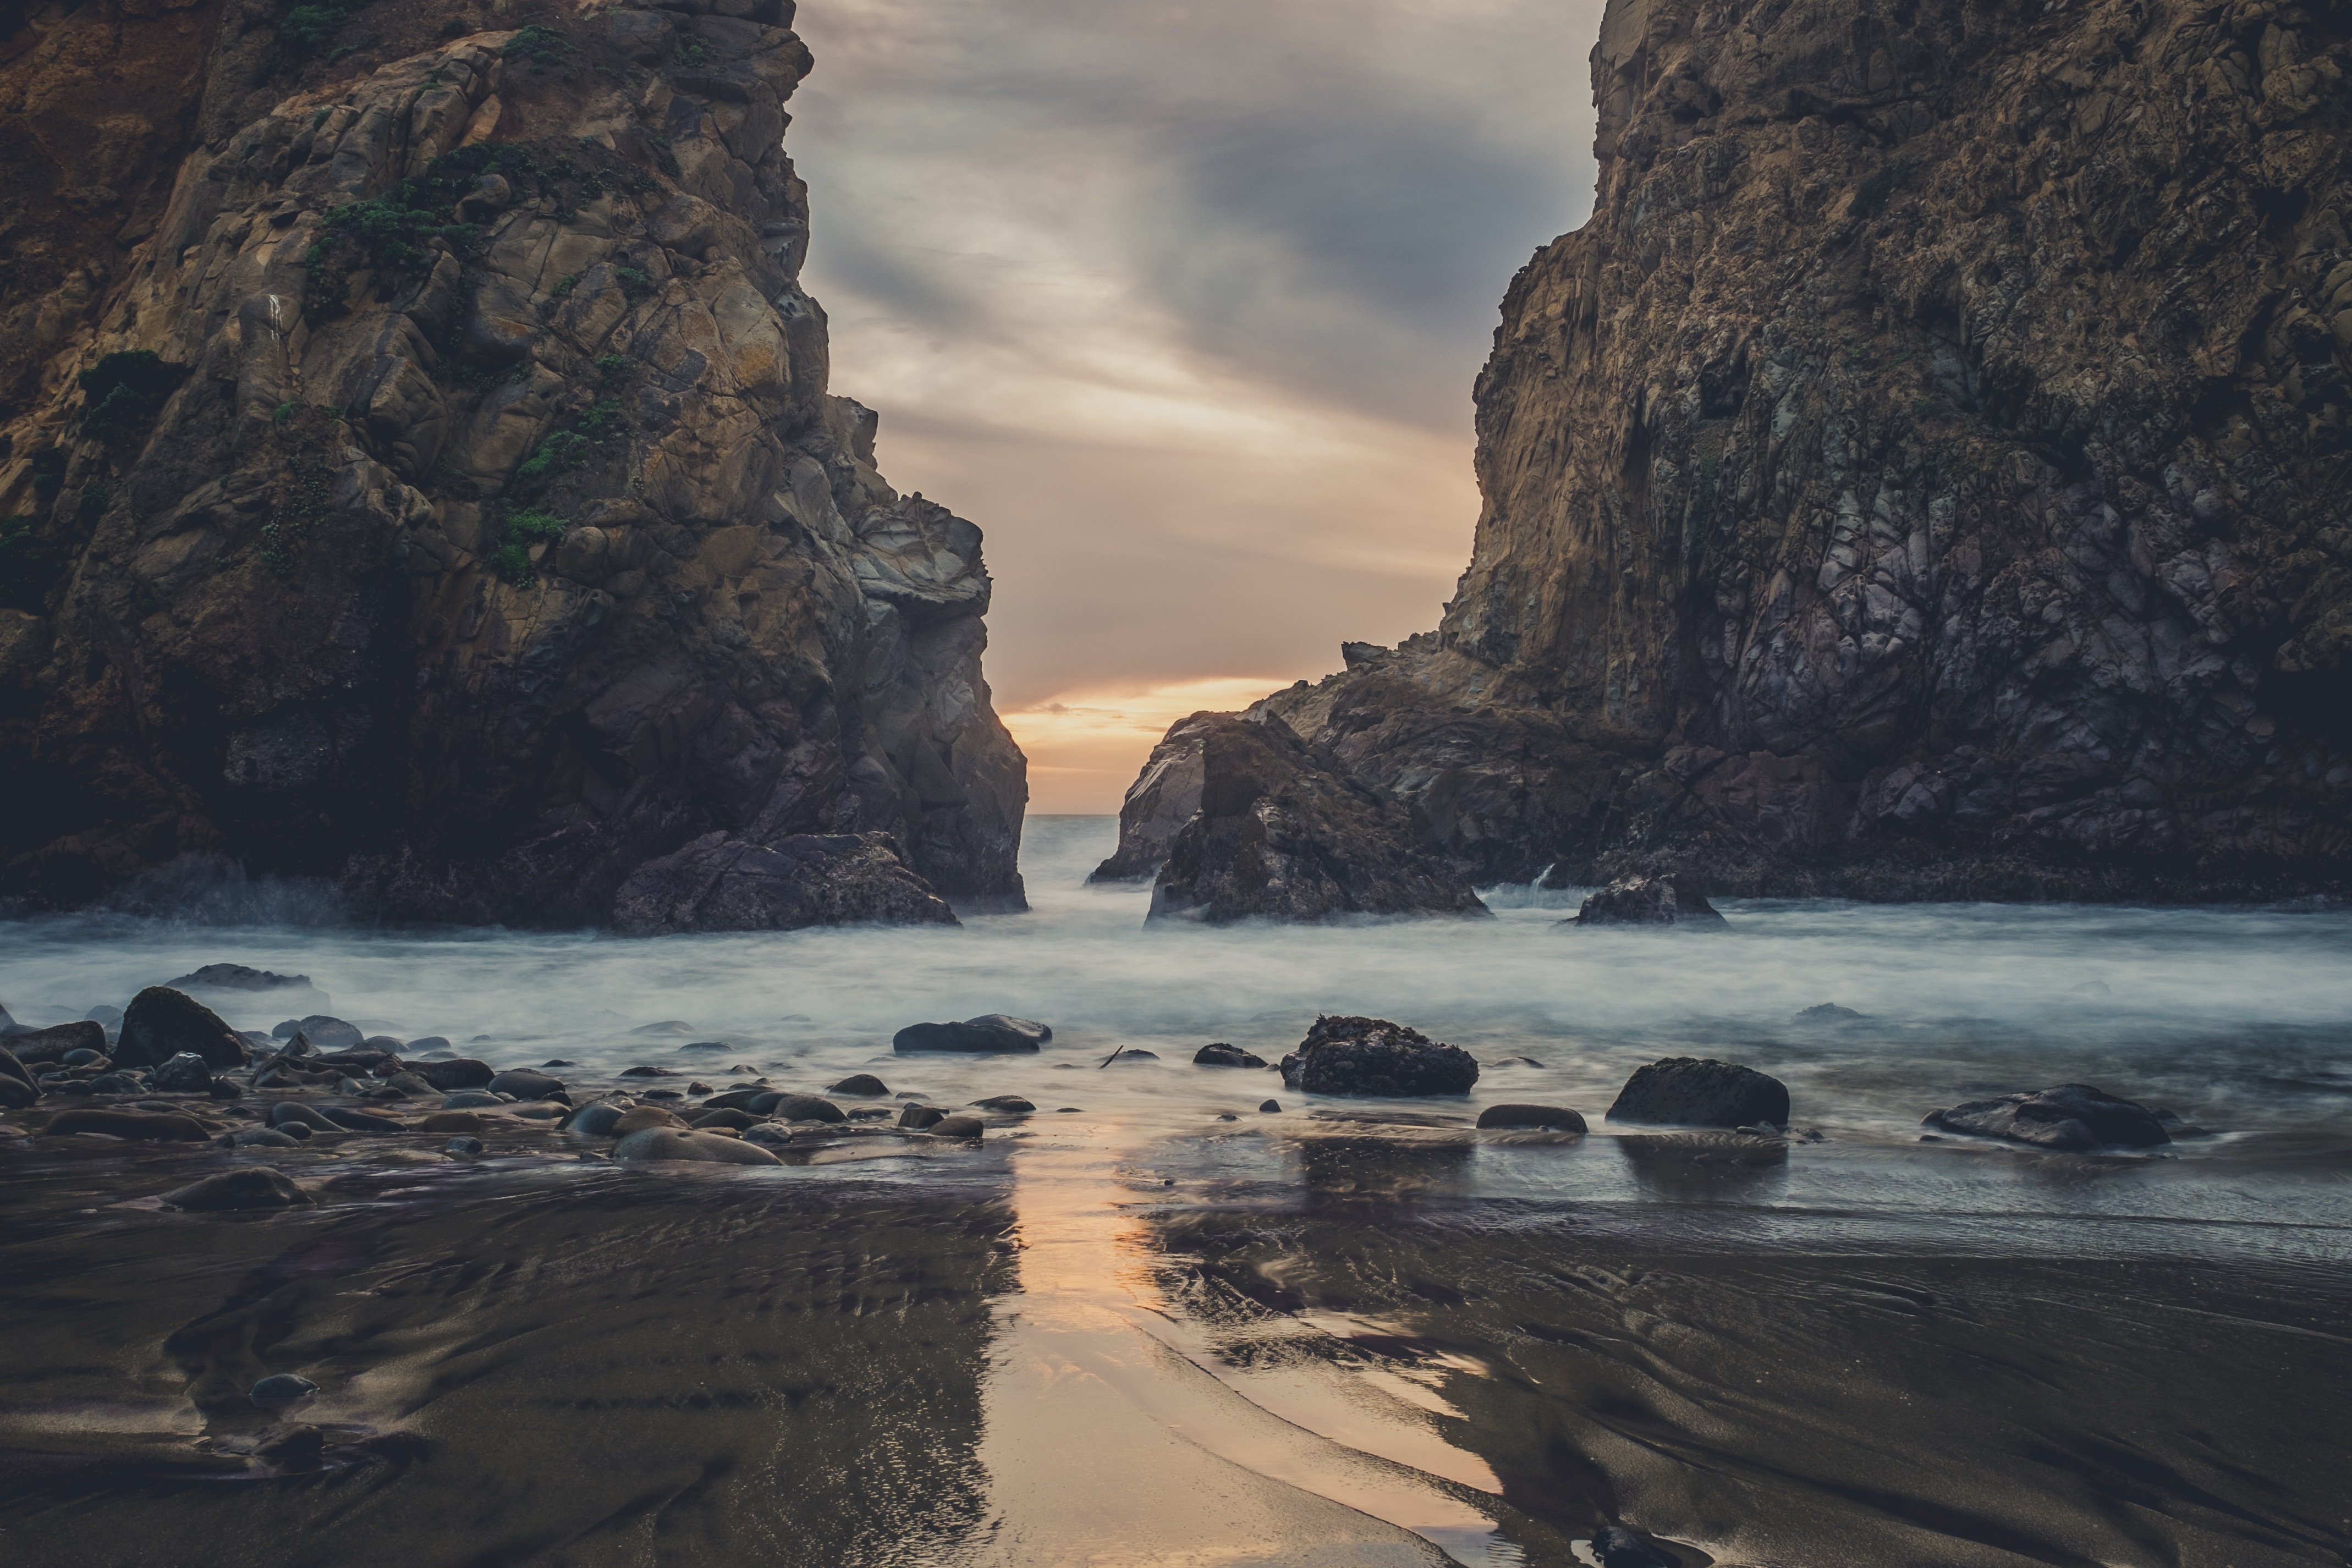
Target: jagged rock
(719,884)
(1373,1056)
(240,978)
(1648,901)
(1558,1117)
(1165,796)
(183,1074)
(254,1187)
(1223,1055)
(1282,830)
(984,1034)
(470,562)
(160,1023)
(2070,1117)
(1693,1092)
(1847,527)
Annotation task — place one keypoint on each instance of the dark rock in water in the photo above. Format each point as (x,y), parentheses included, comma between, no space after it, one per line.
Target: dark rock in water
(1007,1104)
(264,1138)
(1829,1013)
(974,1035)
(918,1117)
(638,1118)
(704,1045)
(2069,1117)
(859,1083)
(1041,1034)
(326,1032)
(183,1074)
(1620,1548)
(16,1093)
(161,1023)
(523,1083)
(1649,901)
(594,1121)
(428,1042)
(409,1085)
(796,1107)
(1278,829)
(1691,1092)
(723,1117)
(362,1121)
(656,1144)
(452,1122)
(647,1072)
(458,1072)
(470,1099)
(277,1393)
(1223,1055)
(958,1126)
(1270,1107)
(80,1057)
(384,1043)
(737,1099)
(1373,1056)
(721,884)
(239,977)
(293,1112)
(462,1147)
(1558,1116)
(666,1026)
(1135,1056)
(1515,1061)
(52,1044)
(145,1125)
(115,1083)
(255,1187)
(550,1062)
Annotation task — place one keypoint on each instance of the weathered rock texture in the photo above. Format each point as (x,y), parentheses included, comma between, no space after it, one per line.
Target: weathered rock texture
(1236,818)
(481,535)
(1649,901)
(1925,475)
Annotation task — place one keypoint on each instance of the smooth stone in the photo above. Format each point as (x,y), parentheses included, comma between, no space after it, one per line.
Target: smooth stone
(1223,1055)
(462,1147)
(470,1099)
(1070,1111)
(1029,1027)
(918,1118)
(452,1122)
(325,1031)
(663,1095)
(640,1118)
(16,1093)
(384,1043)
(699,1088)
(161,1023)
(1559,1117)
(1270,1107)
(555,1061)
(859,1083)
(958,1126)
(647,1072)
(362,1121)
(596,1121)
(264,1138)
(255,1187)
(541,1110)
(145,1125)
(653,1144)
(970,1037)
(54,1045)
(668,1026)
(282,1389)
(796,1107)
(1011,1104)
(85,1057)
(736,1099)
(426,1042)
(724,1117)
(2069,1118)
(458,1072)
(294,1112)
(1372,1056)
(411,1085)
(1694,1092)
(525,1084)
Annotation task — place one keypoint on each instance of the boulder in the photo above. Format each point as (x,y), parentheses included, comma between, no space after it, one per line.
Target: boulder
(596,1121)
(52,1044)
(1285,832)
(1029,1029)
(293,1113)
(1691,1092)
(1373,1056)
(161,1022)
(16,1093)
(458,1072)
(859,1083)
(1006,1105)
(2067,1117)
(322,1029)
(639,1118)
(1648,901)
(958,1126)
(183,1074)
(13,1066)
(653,1144)
(146,1126)
(452,1122)
(917,1118)
(1555,1117)
(254,1187)
(362,1121)
(1223,1055)
(522,1082)
(721,884)
(974,1035)
(425,1044)
(795,1107)
(724,1116)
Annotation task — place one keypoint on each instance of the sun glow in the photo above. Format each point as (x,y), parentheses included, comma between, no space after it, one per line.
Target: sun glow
(1086,744)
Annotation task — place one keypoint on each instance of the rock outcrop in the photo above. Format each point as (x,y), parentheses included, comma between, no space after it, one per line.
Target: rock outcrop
(1375,1057)
(1649,901)
(1694,1092)
(430,484)
(1923,476)
(1236,818)
(2070,1118)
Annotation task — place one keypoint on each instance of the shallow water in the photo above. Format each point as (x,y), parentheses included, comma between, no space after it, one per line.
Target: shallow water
(1343,1334)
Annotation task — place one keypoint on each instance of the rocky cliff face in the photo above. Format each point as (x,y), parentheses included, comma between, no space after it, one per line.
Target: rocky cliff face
(424,478)
(1929,474)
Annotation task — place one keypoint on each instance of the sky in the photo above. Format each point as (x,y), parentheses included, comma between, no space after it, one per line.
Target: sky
(1180,302)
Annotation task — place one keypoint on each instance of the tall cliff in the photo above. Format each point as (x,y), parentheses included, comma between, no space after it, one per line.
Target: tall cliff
(1928,473)
(419,473)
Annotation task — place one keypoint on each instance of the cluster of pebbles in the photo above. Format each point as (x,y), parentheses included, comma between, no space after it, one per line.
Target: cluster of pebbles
(168,1070)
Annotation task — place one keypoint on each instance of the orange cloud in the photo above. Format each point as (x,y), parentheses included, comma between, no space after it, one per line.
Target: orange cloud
(1086,744)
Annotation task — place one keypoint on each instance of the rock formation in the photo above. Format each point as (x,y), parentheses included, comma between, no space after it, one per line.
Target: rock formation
(423,478)
(1235,816)
(1925,475)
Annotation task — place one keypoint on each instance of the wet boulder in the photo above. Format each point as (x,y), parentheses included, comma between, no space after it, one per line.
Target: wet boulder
(254,1187)
(522,1082)
(958,1126)
(2068,1117)
(919,1117)
(323,1031)
(183,1074)
(1005,1105)
(640,1118)
(720,883)
(790,1107)
(458,1072)
(858,1083)
(724,1116)
(1223,1055)
(1373,1056)
(1693,1092)
(144,1126)
(161,1022)
(1558,1118)
(990,1033)
(1648,901)
(41,1045)
(652,1146)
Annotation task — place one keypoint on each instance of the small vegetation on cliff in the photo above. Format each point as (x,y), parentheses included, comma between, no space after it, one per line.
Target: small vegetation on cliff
(306,30)
(540,45)
(126,391)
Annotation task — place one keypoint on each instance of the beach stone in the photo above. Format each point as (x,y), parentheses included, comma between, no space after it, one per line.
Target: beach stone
(161,1023)
(1649,901)
(709,1121)
(385,1043)
(239,977)
(1559,1117)
(2067,1117)
(288,1112)
(525,1084)
(470,1099)
(83,1058)
(1008,1105)
(452,1122)
(324,1031)
(1693,1092)
(594,1121)
(796,1107)
(253,1186)
(958,1126)
(183,1074)
(640,1118)
(737,1099)
(462,1147)
(1223,1055)
(362,1121)
(541,1110)
(653,1144)
(646,1073)
(1029,1029)
(264,1138)
(1373,1056)
(919,1118)
(1270,1107)
(410,1085)
(150,1127)
(1135,1056)
(972,1036)
(859,1083)
(54,1044)
(285,1388)
(458,1072)
(1620,1548)
(16,1093)
(426,1043)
